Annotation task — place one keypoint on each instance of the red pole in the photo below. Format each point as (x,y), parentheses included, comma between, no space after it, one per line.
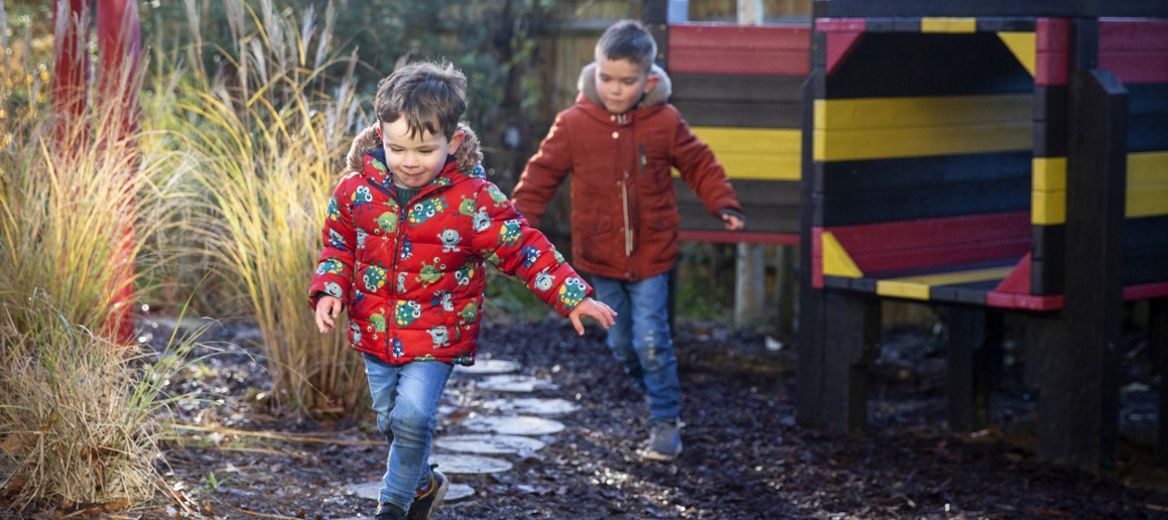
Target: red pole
(119,46)
(70,62)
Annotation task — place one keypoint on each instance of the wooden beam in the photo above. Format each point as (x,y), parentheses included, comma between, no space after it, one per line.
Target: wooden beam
(1078,420)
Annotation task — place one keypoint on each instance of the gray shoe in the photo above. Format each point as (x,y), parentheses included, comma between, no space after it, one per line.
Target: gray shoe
(664,441)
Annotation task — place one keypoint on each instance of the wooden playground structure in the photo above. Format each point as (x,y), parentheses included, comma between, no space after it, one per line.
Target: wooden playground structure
(983,157)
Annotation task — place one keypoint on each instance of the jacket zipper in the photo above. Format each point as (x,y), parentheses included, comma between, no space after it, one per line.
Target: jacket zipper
(628,230)
(391,278)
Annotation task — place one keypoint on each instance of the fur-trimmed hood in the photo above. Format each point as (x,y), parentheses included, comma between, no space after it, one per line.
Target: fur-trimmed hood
(586,86)
(468,155)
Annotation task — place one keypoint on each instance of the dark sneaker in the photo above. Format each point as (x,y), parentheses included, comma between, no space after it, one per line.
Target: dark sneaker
(427,503)
(390,512)
(664,441)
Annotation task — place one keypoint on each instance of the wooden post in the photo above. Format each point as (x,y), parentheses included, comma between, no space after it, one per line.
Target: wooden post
(750,12)
(1158,343)
(811,362)
(1079,404)
(851,340)
(786,289)
(973,333)
(749,282)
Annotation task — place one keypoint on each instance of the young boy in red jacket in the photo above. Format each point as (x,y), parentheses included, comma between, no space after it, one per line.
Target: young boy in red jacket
(404,242)
(619,142)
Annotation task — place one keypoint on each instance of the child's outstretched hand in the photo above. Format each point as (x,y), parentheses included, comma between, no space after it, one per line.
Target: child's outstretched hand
(603,314)
(327,309)
(732,222)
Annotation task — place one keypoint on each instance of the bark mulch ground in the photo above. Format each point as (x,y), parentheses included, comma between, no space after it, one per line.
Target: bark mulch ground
(745,457)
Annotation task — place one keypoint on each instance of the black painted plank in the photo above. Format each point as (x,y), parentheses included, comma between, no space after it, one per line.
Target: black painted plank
(915,172)
(970,198)
(1145,266)
(1050,121)
(1062,8)
(905,64)
(1145,232)
(1047,246)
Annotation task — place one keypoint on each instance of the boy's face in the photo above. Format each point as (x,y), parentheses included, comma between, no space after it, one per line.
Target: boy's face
(620,83)
(415,161)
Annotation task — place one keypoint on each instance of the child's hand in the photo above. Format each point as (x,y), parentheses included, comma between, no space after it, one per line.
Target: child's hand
(732,222)
(603,314)
(327,309)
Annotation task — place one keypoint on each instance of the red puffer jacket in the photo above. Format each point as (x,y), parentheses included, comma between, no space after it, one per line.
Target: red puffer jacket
(624,208)
(412,277)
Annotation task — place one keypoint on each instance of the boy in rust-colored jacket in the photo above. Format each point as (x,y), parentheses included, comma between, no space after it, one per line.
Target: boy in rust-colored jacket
(405,238)
(619,142)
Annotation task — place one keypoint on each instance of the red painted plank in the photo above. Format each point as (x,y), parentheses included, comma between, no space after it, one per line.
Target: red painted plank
(1018,281)
(1145,291)
(749,62)
(839,44)
(1052,34)
(1052,41)
(913,244)
(841,24)
(779,50)
(1023,301)
(817,257)
(738,237)
(1149,66)
(1132,34)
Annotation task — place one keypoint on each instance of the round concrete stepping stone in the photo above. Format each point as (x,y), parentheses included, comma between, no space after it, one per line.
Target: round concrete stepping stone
(514,425)
(513,383)
(458,492)
(488,366)
(489,444)
(462,464)
(372,490)
(532,405)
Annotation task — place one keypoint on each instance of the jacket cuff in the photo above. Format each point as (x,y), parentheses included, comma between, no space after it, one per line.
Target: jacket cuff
(733,212)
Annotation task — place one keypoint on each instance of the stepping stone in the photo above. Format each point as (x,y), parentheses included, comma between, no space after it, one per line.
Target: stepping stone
(461,464)
(458,492)
(489,444)
(514,383)
(514,425)
(372,490)
(487,366)
(532,405)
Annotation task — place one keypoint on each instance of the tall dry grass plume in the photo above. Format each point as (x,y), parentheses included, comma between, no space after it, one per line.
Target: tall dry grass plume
(78,411)
(270,127)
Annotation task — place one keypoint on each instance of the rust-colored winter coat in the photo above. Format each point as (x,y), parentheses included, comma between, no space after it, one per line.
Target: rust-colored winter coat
(624,208)
(412,276)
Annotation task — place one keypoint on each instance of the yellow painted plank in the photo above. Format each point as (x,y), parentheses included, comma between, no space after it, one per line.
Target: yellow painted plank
(1147,168)
(1022,45)
(755,153)
(888,143)
(1049,173)
(837,261)
(922,111)
(902,290)
(1147,184)
(1048,207)
(931,24)
(917,287)
(1148,201)
(1048,198)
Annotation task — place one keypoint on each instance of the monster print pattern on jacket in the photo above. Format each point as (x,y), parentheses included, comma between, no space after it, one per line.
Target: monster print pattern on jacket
(412,276)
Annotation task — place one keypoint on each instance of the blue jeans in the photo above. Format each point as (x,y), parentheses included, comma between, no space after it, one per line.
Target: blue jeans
(405,398)
(641,340)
